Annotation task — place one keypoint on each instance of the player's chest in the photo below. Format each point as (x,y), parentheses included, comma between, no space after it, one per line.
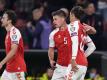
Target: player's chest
(62,37)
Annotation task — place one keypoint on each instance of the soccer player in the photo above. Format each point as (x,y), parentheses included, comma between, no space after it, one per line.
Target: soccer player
(87,28)
(79,38)
(60,38)
(15,64)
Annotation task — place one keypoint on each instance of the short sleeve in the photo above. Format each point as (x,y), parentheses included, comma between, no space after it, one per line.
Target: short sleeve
(51,40)
(15,36)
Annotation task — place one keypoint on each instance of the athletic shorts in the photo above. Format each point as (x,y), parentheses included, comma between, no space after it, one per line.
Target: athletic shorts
(79,75)
(59,72)
(12,75)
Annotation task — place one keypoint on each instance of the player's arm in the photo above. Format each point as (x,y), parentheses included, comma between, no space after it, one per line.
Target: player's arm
(89,29)
(10,54)
(90,46)
(51,56)
(51,50)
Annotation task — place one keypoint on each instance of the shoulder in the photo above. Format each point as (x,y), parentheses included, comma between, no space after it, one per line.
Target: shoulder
(14,32)
(74,26)
(54,32)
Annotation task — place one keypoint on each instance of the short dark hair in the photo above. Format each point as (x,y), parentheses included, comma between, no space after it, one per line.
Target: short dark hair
(11,16)
(78,12)
(60,13)
(86,4)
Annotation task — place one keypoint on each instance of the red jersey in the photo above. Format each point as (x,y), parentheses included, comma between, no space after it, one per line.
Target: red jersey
(76,29)
(62,41)
(17,63)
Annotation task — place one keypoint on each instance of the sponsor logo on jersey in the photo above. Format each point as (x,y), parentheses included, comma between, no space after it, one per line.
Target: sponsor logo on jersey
(74,34)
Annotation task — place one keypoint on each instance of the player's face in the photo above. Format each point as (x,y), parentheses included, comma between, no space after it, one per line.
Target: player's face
(58,21)
(90,9)
(72,17)
(4,20)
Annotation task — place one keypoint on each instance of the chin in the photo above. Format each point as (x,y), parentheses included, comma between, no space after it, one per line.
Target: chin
(2,25)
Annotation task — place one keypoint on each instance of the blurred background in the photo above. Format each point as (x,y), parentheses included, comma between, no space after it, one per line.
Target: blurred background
(35,23)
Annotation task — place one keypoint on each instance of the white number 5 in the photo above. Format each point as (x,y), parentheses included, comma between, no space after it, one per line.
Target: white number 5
(65,40)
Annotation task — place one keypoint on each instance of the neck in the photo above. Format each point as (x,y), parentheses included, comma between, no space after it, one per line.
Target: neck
(9,27)
(75,20)
(64,26)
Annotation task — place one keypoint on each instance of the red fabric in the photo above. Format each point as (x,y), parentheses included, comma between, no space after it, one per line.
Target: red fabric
(16,64)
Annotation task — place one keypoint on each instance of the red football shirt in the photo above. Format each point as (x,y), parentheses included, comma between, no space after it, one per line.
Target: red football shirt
(62,41)
(76,29)
(17,63)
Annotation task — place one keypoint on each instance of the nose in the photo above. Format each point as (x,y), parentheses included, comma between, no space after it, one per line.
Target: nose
(54,22)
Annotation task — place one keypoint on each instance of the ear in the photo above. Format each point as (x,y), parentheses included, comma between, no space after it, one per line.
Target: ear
(62,18)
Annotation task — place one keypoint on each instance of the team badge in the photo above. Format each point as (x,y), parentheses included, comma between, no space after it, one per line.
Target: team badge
(14,37)
(72,29)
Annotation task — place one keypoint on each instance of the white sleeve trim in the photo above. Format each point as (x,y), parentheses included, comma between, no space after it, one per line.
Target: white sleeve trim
(51,38)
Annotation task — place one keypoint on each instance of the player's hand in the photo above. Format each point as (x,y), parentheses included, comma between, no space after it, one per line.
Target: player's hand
(53,64)
(86,27)
(74,66)
(89,29)
(1,65)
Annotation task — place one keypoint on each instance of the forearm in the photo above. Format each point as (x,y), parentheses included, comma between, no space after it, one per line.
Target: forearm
(92,30)
(51,54)
(91,48)
(8,57)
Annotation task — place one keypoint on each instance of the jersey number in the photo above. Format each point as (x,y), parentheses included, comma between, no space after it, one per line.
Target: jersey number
(65,40)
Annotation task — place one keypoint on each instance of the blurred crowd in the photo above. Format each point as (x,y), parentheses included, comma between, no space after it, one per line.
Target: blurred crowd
(35,21)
